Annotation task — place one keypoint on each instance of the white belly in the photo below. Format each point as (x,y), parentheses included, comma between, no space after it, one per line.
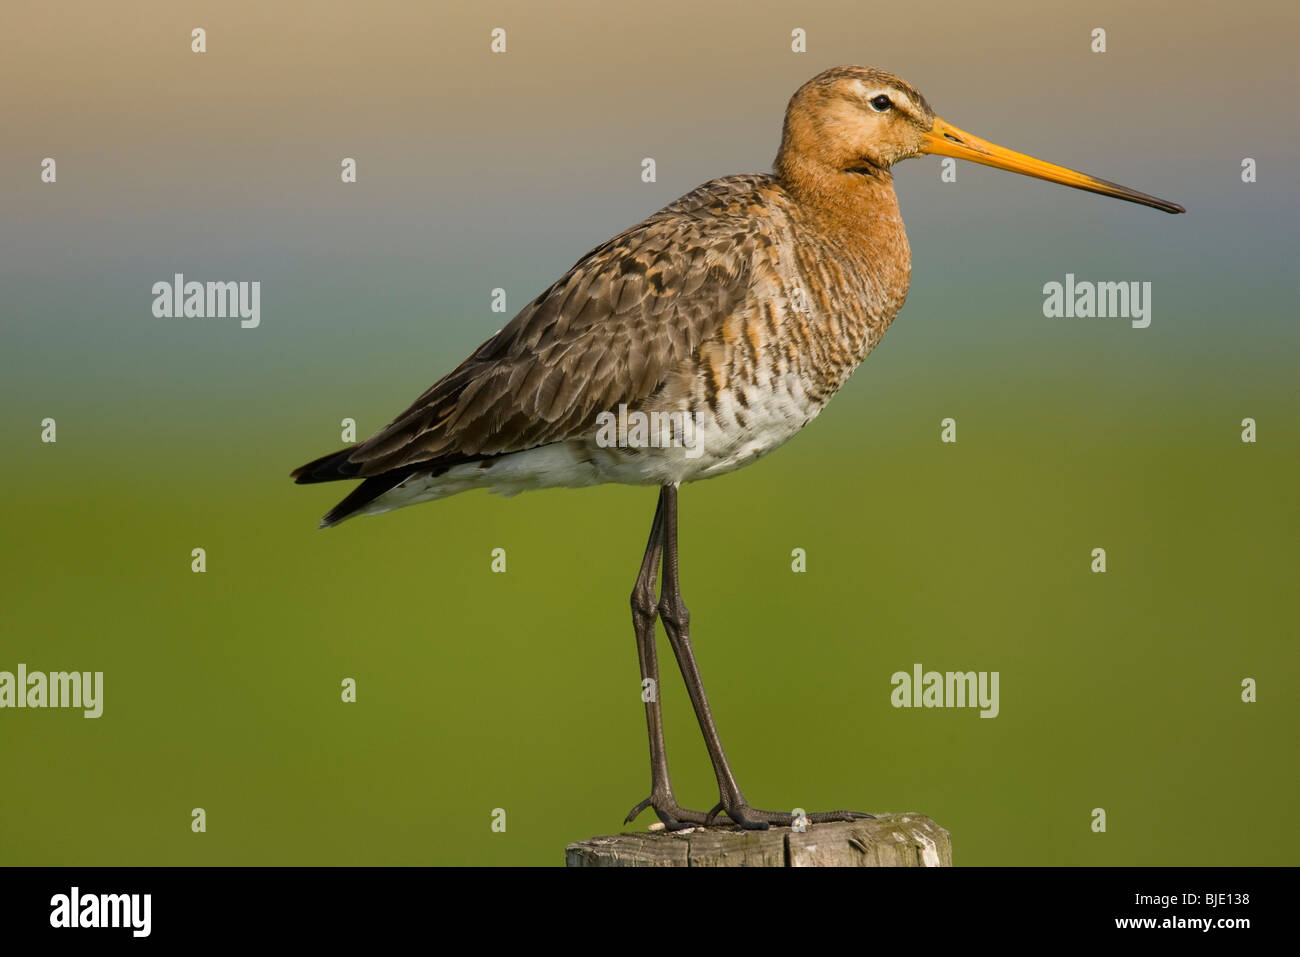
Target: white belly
(718,443)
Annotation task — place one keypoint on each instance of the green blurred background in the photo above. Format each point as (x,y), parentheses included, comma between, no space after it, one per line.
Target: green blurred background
(520,691)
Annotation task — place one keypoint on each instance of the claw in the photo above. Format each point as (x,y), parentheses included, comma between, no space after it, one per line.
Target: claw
(632,814)
(674,818)
(752,819)
(671,823)
(739,817)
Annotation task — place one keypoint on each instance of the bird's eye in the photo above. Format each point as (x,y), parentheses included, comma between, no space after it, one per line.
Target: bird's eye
(881,103)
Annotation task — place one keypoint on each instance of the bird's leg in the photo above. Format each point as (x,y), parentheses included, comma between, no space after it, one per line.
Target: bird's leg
(676,619)
(645,612)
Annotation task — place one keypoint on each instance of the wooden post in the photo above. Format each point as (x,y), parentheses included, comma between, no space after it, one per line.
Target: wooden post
(891,840)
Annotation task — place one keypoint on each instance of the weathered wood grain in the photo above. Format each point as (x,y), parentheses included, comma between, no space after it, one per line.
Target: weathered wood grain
(891,840)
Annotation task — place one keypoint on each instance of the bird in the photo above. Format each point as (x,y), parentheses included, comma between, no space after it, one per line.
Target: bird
(688,346)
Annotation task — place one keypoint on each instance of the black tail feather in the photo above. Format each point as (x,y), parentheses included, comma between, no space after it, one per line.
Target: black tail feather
(336,467)
(361,496)
(328,468)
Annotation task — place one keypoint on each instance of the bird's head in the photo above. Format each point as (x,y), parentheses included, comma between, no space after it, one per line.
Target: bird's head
(855,120)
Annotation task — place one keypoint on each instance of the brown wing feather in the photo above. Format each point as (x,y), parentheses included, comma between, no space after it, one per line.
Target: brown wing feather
(610,331)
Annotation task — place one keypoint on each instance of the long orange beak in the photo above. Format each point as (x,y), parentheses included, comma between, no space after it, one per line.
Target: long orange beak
(946,140)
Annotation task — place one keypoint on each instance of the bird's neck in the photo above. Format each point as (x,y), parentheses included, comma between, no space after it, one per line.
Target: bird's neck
(852,218)
(859,206)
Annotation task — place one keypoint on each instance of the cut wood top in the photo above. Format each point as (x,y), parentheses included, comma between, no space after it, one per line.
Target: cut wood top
(891,840)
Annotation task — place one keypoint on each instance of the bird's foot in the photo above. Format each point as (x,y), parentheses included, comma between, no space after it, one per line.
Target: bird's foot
(674,818)
(752,819)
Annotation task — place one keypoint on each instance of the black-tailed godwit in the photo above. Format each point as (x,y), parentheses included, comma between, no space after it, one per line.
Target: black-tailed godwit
(685,347)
